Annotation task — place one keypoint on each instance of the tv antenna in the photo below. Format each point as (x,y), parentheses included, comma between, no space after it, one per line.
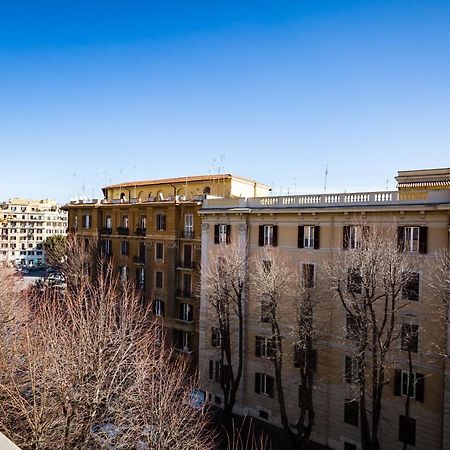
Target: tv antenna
(325,182)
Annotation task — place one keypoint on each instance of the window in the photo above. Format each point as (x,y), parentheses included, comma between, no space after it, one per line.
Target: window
(140,277)
(401,383)
(158,279)
(351,327)
(263,347)
(410,337)
(187,256)
(267,266)
(308,236)
(108,222)
(308,275)
(353,236)
(159,251)
(350,446)
(351,412)
(265,311)
(354,281)
(410,288)
(413,239)
(124,247)
(125,221)
(263,414)
(211,369)
(107,247)
(183,340)
(268,235)
(158,308)
(186,312)
(305,358)
(189,226)
(160,222)
(86,221)
(143,222)
(264,384)
(216,337)
(123,272)
(407,430)
(351,370)
(222,233)
(187,285)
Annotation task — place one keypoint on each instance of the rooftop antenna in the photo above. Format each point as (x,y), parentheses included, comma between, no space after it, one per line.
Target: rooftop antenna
(387,184)
(325,182)
(134,177)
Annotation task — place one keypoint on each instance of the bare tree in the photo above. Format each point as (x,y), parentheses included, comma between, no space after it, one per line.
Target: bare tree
(286,294)
(369,281)
(226,283)
(88,372)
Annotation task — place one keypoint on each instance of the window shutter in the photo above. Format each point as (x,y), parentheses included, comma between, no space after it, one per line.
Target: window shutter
(190,313)
(269,384)
(397,382)
(301,236)
(257,383)
(228,234)
(423,240)
(420,385)
(213,337)
(275,235)
(401,238)
(348,369)
(258,346)
(211,369)
(216,234)
(162,309)
(346,237)
(217,374)
(316,237)
(261,235)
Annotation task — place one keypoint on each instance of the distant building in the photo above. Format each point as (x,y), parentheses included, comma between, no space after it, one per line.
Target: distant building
(151,231)
(24,226)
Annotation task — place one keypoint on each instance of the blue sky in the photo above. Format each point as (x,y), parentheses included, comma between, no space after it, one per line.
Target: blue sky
(100,91)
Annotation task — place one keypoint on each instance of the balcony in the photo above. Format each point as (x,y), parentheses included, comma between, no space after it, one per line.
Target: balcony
(139,259)
(141,231)
(186,265)
(184,293)
(105,230)
(188,234)
(123,231)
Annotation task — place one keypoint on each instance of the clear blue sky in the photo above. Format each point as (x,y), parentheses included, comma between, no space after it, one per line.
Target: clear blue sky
(93,91)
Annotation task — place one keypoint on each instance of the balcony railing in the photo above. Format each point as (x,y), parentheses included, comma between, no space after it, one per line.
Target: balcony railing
(141,231)
(184,293)
(139,259)
(105,230)
(186,264)
(123,231)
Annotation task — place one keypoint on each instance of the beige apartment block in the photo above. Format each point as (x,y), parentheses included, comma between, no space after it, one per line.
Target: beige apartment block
(151,232)
(420,207)
(24,226)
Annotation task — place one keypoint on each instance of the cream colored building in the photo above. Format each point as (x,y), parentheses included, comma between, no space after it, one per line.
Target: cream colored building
(24,226)
(421,208)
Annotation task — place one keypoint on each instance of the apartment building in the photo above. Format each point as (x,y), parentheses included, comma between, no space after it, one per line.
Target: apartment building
(151,231)
(24,226)
(310,229)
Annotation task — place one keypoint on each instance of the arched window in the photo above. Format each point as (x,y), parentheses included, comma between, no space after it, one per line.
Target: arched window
(123,197)
(160,195)
(207,190)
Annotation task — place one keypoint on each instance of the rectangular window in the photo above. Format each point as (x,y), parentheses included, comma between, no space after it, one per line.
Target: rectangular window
(160,222)
(187,256)
(308,275)
(123,272)
(216,337)
(158,279)
(186,312)
(265,311)
(124,248)
(159,251)
(108,222)
(189,226)
(354,281)
(410,337)
(143,222)
(223,233)
(211,369)
(86,221)
(407,430)
(140,277)
(125,221)
(351,326)
(351,408)
(411,239)
(263,347)
(187,285)
(410,288)
(353,236)
(268,235)
(351,370)
(183,341)
(308,237)
(158,308)
(264,384)
(305,358)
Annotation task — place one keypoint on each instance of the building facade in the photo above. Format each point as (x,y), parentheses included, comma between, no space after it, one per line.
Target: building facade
(151,231)
(310,229)
(24,226)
